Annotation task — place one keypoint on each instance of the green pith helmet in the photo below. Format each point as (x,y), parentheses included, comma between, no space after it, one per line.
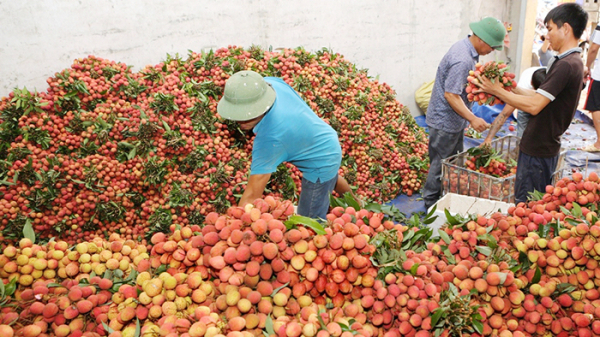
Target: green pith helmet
(490,30)
(246,96)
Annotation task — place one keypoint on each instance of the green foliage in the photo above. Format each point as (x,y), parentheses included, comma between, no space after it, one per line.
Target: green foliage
(296,220)
(180,197)
(155,171)
(164,103)
(456,314)
(160,221)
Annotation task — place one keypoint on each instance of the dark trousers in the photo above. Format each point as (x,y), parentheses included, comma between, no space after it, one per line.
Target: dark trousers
(442,145)
(314,198)
(533,173)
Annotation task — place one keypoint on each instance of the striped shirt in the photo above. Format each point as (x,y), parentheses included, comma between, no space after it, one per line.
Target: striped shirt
(451,77)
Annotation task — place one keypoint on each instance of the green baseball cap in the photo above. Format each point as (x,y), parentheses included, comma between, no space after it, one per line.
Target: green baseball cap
(246,96)
(490,30)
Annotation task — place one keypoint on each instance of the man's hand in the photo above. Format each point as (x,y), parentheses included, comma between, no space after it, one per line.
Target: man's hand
(254,189)
(586,72)
(479,124)
(486,143)
(486,85)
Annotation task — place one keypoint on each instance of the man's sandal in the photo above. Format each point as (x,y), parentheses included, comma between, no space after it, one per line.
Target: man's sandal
(590,148)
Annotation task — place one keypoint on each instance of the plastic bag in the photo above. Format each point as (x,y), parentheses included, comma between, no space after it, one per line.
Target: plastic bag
(423,95)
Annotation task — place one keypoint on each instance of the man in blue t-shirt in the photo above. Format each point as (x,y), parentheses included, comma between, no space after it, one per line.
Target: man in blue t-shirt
(449,110)
(286,130)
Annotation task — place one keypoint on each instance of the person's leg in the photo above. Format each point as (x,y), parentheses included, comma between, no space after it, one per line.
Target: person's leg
(592,104)
(533,174)
(314,199)
(596,120)
(441,146)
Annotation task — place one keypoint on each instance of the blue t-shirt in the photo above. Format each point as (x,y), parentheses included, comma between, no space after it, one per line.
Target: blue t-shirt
(451,77)
(292,132)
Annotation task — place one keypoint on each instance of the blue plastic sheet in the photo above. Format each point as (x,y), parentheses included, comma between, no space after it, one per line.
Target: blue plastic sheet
(488,113)
(580,133)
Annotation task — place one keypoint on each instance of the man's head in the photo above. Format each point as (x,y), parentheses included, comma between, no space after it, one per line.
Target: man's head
(246,97)
(565,22)
(490,33)
(538,77)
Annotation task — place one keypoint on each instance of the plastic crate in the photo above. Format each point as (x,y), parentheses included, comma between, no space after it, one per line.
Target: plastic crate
(456,178)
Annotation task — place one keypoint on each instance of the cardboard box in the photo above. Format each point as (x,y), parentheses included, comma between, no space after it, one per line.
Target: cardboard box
(464,205)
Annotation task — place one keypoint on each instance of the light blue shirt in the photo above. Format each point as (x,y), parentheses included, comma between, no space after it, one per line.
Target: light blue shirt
(292,132)
(451,77)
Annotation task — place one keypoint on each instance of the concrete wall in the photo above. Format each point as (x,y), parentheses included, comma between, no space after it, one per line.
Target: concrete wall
(401,41)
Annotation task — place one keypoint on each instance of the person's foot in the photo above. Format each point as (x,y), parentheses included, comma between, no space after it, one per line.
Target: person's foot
(591,148)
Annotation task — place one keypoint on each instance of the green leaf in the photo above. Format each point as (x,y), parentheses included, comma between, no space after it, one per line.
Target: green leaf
(28,231)
(573,222)
(118,273)
(444,236)
(576,210)
(11,287)
(487,251)
(413,269)
(565,211)
(161,269)
(502,277)
(449,256)
(408,235)
(107,328)
(492,243)
(269,326)
(276,290)
(166,126)
(138,328)
(306,221)
(453,289)
(537,276)
(351,201)
(565,288)
(432,212)
(437,314)
(451,219)
(478,326)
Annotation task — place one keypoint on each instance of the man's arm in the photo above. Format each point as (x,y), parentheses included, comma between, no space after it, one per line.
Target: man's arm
(254,189)
(458,105)
(341,186)
(591,57)
(522,91)
(497,123)
(530,104)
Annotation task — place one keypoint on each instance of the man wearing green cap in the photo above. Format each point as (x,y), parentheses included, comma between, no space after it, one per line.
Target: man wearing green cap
(449,111)
(552,106)
(286,130)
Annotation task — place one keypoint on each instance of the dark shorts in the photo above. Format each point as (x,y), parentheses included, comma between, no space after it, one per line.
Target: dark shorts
(442,145)
(533,174)
(593,98)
